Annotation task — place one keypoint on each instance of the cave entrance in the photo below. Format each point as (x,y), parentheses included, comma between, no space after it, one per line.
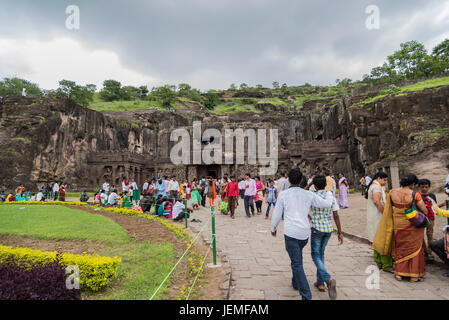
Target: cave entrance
(210,170)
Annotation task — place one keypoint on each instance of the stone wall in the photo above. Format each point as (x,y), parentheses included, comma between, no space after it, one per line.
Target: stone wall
(44,140)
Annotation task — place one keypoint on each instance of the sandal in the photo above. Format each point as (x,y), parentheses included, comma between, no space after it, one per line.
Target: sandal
(321,287)
(399,278)
(420,279)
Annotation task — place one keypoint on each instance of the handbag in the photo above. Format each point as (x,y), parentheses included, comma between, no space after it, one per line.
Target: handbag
(223,206)
(416,217)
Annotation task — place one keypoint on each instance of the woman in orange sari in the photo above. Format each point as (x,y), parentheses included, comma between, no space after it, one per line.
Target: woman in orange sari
(397,237)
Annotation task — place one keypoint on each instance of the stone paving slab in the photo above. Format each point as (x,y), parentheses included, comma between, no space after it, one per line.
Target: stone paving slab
(261,267)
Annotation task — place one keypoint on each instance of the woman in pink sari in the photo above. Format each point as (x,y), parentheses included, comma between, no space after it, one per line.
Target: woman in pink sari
(343,192)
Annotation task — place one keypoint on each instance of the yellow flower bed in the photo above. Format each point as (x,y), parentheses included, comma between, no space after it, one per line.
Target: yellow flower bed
(195,258)
(95,271)
(75,203)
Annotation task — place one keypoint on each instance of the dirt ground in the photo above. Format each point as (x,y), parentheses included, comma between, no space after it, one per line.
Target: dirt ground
(144,230)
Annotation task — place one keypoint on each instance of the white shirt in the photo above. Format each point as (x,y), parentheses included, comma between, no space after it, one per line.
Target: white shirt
(33,198)
(241,185)
(55,187)
(178,208)
(368,180)
(173,185)
(145,186)
(134,185)
(103,197)
(113,198)
(39,196)
(124,187)
(295,204)
(106,187)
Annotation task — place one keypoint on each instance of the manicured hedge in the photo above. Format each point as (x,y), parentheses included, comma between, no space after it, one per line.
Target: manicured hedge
(41,282)
(95,271)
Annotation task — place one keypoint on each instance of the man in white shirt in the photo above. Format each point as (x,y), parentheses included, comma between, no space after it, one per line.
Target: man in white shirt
(178,212)
(368,180)
(55,191)
(106,187)
(173,188)
(241,186)
(113,198)
(145,186)
(294,204)
(279,183)
(250,192)
(39,196)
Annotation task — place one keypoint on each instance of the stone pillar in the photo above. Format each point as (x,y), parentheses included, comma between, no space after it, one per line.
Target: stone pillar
(394,174)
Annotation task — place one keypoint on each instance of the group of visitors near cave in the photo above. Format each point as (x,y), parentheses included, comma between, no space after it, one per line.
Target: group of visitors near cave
(400,226)
(307,206)
(55,191)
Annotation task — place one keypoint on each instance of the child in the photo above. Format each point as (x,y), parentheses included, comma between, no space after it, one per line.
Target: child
(168,209)
(427,196)
(126,203)
(97,198)
(159,208)
(103,198)
(271,195)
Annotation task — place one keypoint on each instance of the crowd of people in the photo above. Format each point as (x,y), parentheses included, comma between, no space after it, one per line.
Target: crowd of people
(400,222)
(55,191)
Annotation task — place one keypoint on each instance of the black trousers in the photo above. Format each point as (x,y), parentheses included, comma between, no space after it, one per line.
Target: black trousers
(438,248)
(259,205)
(249,203)
(203,199)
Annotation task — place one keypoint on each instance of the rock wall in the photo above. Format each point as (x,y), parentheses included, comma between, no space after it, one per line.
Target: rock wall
(44,140)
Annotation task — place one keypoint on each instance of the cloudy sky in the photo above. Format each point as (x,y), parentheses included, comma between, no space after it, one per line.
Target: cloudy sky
(209,43)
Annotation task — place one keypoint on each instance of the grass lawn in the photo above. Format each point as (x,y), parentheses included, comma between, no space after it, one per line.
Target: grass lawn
(432,83)
(143,266)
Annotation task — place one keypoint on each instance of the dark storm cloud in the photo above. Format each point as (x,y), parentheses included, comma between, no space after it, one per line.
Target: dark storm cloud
(213,43)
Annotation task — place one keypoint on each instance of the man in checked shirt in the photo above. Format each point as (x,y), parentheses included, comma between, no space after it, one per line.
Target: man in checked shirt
(321,233)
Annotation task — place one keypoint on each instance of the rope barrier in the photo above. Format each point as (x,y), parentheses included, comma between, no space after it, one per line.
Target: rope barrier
(174,267)
(198,273)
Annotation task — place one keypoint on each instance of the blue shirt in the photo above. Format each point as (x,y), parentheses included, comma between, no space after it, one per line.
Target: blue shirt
(161,189)
(271,194)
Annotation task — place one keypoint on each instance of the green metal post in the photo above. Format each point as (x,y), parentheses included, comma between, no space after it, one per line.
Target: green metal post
(214,245)
(185,210)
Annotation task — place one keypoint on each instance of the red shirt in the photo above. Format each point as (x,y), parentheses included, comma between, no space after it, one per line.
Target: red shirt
(232,190)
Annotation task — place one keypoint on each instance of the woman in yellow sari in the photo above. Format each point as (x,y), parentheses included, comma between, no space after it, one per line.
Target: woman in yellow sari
(397,237)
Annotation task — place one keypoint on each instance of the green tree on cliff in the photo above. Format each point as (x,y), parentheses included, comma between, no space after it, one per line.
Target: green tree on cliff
(129,93)
(441,54)
(111,90)
(83,95)
(14,86)
(211,99)
(165,94)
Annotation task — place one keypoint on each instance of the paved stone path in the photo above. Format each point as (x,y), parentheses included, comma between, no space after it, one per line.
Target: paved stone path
(261,267)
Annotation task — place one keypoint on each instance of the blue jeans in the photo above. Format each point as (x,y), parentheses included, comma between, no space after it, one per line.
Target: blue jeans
(299,281)
(269,206)
(318,245)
